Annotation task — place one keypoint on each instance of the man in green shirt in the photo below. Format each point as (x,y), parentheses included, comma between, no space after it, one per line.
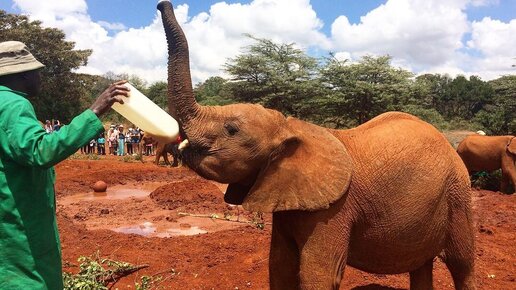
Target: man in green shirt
(30,254)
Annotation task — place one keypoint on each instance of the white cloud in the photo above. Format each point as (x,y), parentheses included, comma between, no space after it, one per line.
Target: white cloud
(421,35)
(496,43)
(134,51)
(422,32)
(478,3)
(48,10)
(213,37)
(112,26)
(427,36)
(494,37)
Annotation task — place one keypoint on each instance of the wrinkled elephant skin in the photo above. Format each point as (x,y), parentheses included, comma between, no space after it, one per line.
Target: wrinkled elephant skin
(490,153)
(385,197)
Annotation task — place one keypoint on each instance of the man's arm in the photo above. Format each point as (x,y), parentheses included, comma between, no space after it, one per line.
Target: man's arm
(30,145)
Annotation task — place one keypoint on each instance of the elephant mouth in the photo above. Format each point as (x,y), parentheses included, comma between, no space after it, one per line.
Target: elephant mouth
(200,158)
(237,192)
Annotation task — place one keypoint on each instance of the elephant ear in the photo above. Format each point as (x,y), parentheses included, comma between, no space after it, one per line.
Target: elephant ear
(511,146)
(308,170)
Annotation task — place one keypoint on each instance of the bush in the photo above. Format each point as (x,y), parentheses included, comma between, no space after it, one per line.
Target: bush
(98,274)
(431,116)
(461,124)
(129,158)
(487,180)
(79,156)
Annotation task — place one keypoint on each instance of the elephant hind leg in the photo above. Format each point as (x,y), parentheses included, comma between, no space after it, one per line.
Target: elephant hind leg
(459,253)
(462,273)
(421,278)
(508,172)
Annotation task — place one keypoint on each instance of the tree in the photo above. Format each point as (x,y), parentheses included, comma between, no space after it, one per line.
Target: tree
(463,98)
(278,76)
(498,117)
(157,92)
(61,89)
(362,90)
(213,91)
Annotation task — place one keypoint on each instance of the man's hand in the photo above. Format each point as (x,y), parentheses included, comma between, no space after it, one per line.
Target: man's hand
(109,97)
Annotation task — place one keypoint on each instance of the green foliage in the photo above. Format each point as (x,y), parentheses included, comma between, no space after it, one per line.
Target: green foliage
(466,97)
(498,117)
(331,92)
(362,90)
(258,221)
(130,158)
(79,156)
(149,282)
(96,274)
(214,91)
(278,76)
(428,115)
(487,180)
(338,94)
(138,157)
(61,88)
(157,92)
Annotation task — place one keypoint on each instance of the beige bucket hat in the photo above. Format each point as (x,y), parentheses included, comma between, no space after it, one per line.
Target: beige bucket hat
(16,58)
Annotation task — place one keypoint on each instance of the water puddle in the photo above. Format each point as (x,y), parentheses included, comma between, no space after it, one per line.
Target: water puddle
(149,229)
(144,229)
(115,192)
(110,210)
(182,232)
(185,226)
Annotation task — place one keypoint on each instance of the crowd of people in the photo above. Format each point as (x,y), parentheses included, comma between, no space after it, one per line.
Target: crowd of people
(117,141)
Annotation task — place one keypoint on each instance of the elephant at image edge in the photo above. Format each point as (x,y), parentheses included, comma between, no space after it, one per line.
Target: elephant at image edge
(385,197)
(490,153)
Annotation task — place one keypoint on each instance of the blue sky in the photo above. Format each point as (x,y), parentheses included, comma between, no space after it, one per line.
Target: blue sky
(452,36)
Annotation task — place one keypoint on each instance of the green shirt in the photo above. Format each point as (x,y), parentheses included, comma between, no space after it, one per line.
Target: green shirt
(30,254)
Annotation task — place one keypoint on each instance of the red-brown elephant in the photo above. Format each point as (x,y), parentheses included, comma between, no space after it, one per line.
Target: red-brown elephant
(385,197)
(488,153)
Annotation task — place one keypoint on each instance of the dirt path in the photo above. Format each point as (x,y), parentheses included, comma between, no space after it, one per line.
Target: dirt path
(141,220)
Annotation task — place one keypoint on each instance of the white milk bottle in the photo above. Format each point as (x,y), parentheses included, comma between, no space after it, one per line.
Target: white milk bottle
(149,117)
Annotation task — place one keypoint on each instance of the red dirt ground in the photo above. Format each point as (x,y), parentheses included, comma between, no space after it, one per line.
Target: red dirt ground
(127,224)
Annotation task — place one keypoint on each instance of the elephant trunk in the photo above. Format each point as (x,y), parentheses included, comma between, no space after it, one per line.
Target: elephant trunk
(181,100)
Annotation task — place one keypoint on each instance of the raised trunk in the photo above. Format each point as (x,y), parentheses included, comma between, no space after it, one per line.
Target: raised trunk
(181,101)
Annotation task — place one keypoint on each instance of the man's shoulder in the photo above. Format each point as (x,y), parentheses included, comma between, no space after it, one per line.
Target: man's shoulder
(10,98)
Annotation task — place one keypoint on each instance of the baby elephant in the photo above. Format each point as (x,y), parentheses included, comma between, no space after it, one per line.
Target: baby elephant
(164,150)
(490,153)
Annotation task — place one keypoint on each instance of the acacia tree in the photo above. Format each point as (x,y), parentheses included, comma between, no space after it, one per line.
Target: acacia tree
(61,89)
(278,76)
(362,90)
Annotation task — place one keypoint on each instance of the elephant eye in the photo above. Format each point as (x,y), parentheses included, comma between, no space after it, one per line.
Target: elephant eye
(231,129)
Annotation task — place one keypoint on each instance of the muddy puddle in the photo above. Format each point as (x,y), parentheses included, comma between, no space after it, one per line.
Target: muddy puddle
(184,226)
(115,192)
(128,209)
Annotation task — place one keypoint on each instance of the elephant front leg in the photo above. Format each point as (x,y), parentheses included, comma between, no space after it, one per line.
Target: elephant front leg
(322,262)
(283,261)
